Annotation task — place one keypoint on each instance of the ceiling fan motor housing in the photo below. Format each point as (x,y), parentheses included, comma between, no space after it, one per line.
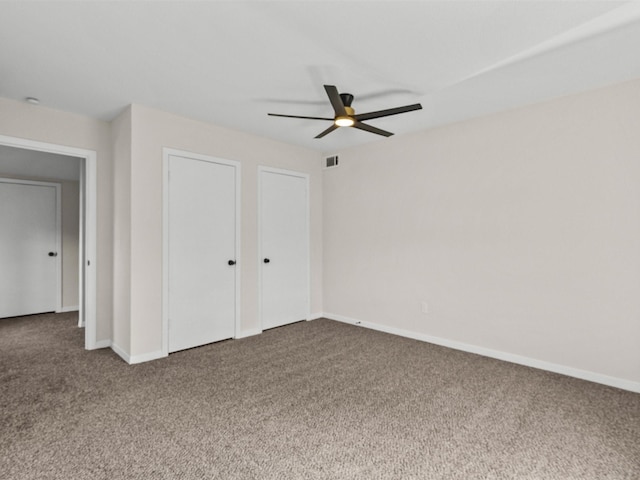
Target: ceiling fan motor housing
(346,121)
(346,98)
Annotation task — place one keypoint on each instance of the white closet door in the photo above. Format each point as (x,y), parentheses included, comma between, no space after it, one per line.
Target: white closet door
(28,248)
(201,252)
(284,246)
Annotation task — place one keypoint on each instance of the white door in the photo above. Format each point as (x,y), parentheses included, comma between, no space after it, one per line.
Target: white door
(28,248)
(201,235)
(284,247)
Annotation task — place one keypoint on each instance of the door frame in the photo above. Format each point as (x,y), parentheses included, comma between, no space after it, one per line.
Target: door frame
(166,153)
(264,169)
(88,228)
(58,258)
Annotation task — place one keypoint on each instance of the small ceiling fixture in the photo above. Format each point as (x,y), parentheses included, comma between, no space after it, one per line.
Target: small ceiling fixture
(345,116)
(32,100)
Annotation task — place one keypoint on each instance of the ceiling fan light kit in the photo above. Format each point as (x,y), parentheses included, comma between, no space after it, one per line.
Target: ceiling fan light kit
(345,115)
(344,121)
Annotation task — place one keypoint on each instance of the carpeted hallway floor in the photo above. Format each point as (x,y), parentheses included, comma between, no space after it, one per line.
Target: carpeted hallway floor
(313,400)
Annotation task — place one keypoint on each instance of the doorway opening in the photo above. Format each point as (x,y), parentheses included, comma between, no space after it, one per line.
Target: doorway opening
(87,188)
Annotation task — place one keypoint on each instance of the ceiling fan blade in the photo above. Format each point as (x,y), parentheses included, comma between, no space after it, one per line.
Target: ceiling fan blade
(369,128)
(327,131)
(297,116)
(336,101)
(389,111)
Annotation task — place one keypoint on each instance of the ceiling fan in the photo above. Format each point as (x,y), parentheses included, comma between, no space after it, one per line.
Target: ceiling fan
(345,116)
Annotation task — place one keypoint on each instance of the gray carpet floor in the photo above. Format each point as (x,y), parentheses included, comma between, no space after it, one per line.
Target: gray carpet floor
(312,400)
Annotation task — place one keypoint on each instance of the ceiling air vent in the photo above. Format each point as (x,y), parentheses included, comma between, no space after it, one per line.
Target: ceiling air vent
(331,162)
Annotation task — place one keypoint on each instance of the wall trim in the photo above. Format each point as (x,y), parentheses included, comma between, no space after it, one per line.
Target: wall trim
(146,357)
(249,333)
(120,352)
(101,344)
(315,316)
(133,359)
(73,308)
(497,354)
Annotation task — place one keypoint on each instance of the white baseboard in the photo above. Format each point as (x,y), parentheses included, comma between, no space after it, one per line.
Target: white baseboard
(146,357)
(101,344)
(120,351)
(487,352)
(68,309)
(132,359)
(249,333)
(314,316)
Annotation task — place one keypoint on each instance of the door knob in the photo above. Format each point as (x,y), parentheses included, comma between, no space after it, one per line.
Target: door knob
(231,262)
(53,254)
(266,260)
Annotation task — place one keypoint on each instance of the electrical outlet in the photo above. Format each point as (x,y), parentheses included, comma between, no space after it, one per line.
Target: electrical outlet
(425,307)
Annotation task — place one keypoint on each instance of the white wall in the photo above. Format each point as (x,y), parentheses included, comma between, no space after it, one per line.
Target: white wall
(151,131)
(18,119)
(521,230)
(121,138)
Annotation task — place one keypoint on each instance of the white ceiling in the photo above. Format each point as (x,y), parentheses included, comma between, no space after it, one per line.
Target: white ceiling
(229,63)
(21,163)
